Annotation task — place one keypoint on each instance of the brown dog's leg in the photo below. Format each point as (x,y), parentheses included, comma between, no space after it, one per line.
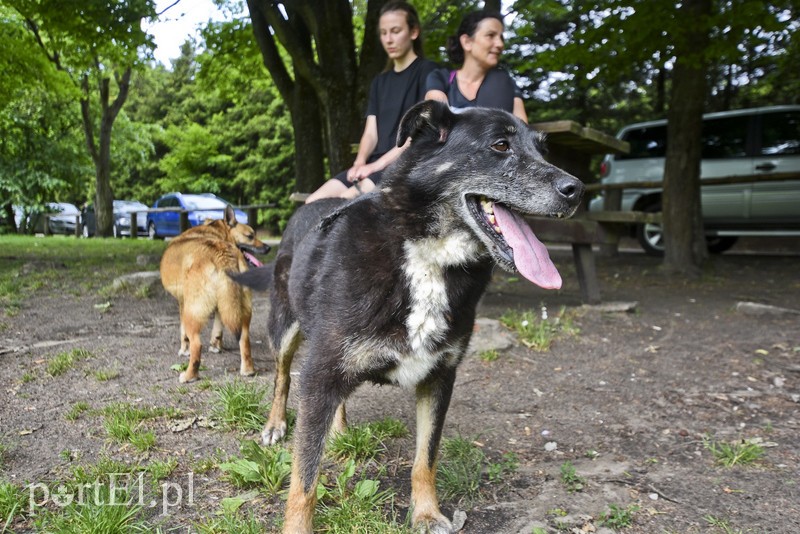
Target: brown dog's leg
(193,329)
(433,399)
(275,429)
(216,335)
(184,350)
(246,367)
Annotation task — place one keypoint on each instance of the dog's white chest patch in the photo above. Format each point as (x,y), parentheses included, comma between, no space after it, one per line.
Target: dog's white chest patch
(425,263)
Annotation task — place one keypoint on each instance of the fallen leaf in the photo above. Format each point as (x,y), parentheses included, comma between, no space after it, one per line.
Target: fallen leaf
(762,352)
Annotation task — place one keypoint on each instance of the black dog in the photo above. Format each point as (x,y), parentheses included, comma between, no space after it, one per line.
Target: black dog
(384,288)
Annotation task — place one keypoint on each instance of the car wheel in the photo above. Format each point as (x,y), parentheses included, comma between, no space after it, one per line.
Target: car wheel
(651,235)
(151,230)
(719,244)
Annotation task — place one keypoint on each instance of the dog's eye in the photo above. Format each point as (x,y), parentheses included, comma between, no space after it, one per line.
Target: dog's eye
(501,146)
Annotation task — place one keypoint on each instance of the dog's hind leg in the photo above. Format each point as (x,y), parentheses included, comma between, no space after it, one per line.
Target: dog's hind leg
(433,399)
(246,367)
(285,347)
(193,327)
(215,345)
(183,351)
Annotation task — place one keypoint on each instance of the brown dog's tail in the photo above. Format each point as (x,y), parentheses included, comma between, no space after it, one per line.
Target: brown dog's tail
(259,278)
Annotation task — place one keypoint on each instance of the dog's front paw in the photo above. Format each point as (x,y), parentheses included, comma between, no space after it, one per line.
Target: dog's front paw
(185,377)
(438,525)
(247,370)
(216,349)
(273,433)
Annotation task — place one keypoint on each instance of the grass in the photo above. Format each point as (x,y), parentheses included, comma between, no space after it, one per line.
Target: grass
(364,442)
(95,516)
(64,361)
(489,356)
(537,331)
(104,375)
(570,478)
(617,517)
(85,270)
(77,410)
(240,405)
(123,423)
(742,452)
(723,525)
(459,474)
(231,521)
(342,510)
(265,468)
(13,503)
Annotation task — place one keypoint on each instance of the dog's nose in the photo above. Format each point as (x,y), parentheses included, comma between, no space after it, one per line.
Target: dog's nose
(570,188)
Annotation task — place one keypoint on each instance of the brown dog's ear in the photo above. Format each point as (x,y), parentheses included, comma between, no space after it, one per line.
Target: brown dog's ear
(430,118)
(230,216)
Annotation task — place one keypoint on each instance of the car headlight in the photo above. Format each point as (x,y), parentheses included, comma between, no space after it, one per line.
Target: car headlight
(125,221)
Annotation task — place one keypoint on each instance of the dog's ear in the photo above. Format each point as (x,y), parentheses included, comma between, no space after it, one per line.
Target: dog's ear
(230,216)
(430,118)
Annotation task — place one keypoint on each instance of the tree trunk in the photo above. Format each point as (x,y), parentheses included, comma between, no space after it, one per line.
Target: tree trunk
(101,154)
(318,37)
(308,145)
(683,224)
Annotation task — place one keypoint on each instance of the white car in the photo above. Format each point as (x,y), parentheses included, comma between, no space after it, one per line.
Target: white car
(743,142)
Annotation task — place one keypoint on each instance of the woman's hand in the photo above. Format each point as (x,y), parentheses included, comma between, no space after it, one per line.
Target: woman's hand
(360,172)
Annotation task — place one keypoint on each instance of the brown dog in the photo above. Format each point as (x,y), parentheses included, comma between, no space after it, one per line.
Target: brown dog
(194,270)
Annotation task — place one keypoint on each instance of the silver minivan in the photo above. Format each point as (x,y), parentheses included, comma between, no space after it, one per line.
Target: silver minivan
(742,142)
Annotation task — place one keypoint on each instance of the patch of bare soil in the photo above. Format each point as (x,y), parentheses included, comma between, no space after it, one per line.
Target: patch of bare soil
(628,401)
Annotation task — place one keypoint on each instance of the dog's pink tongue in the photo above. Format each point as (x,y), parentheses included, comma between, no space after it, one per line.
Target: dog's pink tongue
(252,259)
(530,255)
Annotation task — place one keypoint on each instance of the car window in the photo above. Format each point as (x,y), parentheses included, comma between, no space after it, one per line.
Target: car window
(203,203)
(780,133)
(725,138)
(649,142)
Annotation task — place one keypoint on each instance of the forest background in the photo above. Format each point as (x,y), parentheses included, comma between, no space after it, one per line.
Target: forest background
(269,99)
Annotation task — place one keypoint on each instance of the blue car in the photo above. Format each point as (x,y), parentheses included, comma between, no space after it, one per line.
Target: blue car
(201,208)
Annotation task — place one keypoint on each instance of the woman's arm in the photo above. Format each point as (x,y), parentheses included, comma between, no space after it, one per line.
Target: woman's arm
(369,140)
(519,109)
(436,94)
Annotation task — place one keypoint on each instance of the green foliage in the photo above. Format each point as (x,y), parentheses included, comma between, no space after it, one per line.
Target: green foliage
(267,468)
(459,473)
(617,517)
(240,405)
(77,409)
(742,452)
(538,331)
(363,442)
(343,510)
(231,521)
(96,516)
(13,503)
(64,361)
(123,423)
(570,477)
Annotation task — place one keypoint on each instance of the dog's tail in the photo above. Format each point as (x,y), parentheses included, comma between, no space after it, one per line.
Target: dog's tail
(259,278)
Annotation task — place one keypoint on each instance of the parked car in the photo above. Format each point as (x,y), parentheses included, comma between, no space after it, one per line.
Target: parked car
(122,218)
(62,218)
(201,207)
(743,142)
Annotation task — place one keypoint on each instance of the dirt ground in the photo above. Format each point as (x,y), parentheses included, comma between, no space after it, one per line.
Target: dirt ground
(641,389)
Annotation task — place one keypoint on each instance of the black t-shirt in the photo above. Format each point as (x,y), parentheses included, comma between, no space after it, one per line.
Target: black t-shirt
(496,91)
(391,95)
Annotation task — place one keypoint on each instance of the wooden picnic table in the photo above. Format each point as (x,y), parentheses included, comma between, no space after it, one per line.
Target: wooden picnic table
(571,147)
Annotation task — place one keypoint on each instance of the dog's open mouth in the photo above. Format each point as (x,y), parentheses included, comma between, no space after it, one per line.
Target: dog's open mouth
(247,251)
(515,242)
